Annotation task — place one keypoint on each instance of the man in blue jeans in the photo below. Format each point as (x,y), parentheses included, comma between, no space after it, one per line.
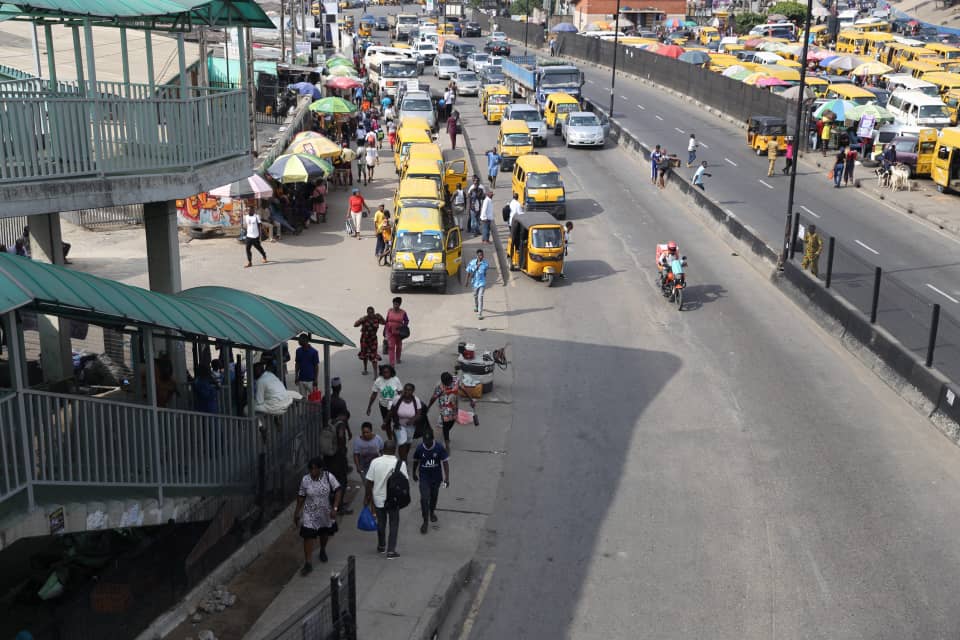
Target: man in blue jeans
(478,269)
(486,216)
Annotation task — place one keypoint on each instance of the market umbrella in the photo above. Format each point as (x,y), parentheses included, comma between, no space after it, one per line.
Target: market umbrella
(793,93)
(771,46)
(820,54)
(838,107)
(690,24)
(879,113)
(250,187)
(339,62)
(844,63)
(794,50)
(871,69)
(308,135)
(825,61)
(343,82)
(305,89)
(343,72)
(669,50)
(333,105)
(776,17)
(771,81)
(300,167)
(320,147)
(753,43)
(694,57)
(737,72)
(563,27)
(755,77)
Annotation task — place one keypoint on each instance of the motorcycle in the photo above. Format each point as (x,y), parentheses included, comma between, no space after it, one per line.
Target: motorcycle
(672,288)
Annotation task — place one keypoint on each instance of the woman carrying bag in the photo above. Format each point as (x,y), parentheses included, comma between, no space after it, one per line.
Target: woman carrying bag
(407,420)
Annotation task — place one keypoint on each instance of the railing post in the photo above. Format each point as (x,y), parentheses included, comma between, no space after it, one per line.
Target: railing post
(876,295)
(78,60)
(325,415)
(151,372)
(335,613)
(830,248)
(94,95)
(14,339)
(793,234)
(352,595)
(934,326)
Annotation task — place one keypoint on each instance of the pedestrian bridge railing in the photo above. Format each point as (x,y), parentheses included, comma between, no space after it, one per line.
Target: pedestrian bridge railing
(64,130)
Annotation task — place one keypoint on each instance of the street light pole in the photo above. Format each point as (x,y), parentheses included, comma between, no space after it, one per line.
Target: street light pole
(526,25)
(788,238)
(616,40)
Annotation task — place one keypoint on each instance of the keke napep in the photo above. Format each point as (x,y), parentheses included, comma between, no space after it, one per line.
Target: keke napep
(536,246)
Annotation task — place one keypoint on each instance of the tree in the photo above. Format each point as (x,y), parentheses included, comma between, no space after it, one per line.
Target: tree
(794,11)
(524,7)
(748,20)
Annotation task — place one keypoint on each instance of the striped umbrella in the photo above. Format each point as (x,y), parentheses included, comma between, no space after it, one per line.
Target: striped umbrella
(250,187)
(300,167)
(321,147)
(335,60)
(333,105)
(307,135)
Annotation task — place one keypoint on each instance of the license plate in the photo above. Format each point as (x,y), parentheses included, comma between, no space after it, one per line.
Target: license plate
(416,278)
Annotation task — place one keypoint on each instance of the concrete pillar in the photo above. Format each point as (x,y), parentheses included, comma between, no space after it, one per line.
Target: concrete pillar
(51,56)
(148,53)
(163,246)
(18,383)
(46,245)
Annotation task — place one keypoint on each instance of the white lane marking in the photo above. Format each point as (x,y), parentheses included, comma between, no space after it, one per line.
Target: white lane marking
(768,186)
(815,215)
(730,161)
(870,249)
(679,130)
(704,145)
(590,81)
(625,97)
(477,601)
(658,118)
(950,298)
(641,107)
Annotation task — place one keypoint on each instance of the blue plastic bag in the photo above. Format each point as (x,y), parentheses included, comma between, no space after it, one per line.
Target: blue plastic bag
(366,521)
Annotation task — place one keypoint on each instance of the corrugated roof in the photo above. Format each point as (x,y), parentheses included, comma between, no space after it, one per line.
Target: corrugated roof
(242,318)
(159,14)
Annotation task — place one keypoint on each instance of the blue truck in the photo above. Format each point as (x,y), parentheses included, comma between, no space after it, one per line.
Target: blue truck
(532,77)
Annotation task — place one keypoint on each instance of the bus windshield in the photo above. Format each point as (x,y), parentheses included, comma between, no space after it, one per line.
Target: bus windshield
(418,241)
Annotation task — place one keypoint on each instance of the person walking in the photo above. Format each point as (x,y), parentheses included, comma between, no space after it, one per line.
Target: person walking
(386,234)
(478,272)
(447,394)
(379,216)
(366,447)
(252,225)
(397,323)
(826,129)
(663,166)
(453,124)
(385,389)
(699,175)
(839,164)
(336,462)
(848,166)
(458,199)
(788,155)
(371,158)
(406,413)
(369,344)
(772,150)
(361,163)
(306,366)
(318,502)
(655,164)
(431,460)
(474,204)
(812,248)
(388,515)
(493,166)
(357,205)
(692,146)
(486,216)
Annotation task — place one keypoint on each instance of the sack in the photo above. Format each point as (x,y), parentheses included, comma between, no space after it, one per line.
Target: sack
(403,332)
(398,489)
(315,396)
(505,212)
(464,416)
(366,521)
(328,441)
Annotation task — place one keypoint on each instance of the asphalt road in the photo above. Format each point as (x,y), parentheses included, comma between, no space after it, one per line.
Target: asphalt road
(724,472)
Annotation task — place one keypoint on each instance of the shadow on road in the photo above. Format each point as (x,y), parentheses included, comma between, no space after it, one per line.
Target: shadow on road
(577,271)
(697,295)
(580,208)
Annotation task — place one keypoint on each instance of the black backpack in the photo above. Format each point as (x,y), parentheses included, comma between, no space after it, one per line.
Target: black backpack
(505,212)
(398,489)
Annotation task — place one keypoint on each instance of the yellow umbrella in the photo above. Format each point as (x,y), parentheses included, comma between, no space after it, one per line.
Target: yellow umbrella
(753,77)
(871,69)
(789,63)
(321,147)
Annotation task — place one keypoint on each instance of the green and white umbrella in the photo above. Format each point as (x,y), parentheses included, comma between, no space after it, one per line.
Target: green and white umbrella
(300,167)
(333,104)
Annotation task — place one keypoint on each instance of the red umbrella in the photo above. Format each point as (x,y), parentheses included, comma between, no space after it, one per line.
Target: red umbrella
(343,82)
(669,50)
(753,43)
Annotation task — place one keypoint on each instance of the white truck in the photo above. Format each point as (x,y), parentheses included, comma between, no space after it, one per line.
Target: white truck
(402,24)
(394,72)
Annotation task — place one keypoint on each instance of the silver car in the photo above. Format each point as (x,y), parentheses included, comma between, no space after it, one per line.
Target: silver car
(419,104)
(531,115)
(477,61)
(468,84)
(582,129)
(445,65)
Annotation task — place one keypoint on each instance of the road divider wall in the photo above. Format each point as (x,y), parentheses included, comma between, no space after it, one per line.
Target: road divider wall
(926,389)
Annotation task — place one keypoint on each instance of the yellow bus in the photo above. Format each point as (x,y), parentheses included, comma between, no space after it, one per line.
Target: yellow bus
(944,81)
(947,51)
(850,92)
(875,42)
(872,26)
(917,68)
(915,53)
(850,41)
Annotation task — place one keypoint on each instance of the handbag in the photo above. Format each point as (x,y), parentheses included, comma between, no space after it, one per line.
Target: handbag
(403,332)
(386,347)
(366,521)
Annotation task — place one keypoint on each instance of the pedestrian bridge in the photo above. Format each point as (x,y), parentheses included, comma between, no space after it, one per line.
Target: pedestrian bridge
(79,456)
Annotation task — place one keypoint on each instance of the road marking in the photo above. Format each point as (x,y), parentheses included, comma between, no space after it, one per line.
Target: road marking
(950,298)
(815,215)
(658,118)
(704,145)
(641,107)
(624,97)
(768,186)
(871,250)
(679,130)
(477,601)
(730,161)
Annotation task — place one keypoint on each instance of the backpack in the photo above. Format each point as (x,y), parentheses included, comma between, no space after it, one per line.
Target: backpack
(505,212)
(398,489)
(328,440)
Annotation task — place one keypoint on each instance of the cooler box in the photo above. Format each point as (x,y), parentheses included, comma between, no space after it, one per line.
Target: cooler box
(477,370)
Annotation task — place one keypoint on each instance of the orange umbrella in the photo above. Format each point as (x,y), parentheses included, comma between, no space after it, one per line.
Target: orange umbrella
(669,50)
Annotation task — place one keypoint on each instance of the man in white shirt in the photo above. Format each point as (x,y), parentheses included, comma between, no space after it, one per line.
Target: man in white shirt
(251,223)
(486,216)
(516,209)
(692,146)
(459,202)
(376,495)
(372,159)
(270,395)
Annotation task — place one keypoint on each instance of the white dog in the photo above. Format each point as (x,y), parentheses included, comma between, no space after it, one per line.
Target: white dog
(900,177)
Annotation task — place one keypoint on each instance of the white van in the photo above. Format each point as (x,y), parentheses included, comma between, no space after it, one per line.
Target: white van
(916,109)
(906,82)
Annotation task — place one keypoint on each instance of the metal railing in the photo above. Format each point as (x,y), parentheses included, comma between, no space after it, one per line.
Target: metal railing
(329,615)
(123,215)
(201,449)
(61,132)
(13,469)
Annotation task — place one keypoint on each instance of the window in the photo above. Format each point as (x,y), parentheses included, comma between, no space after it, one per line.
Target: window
(546,238)
(516,139)
(416,104)
(527,115)
(425,241)
(453,239)
(499,98)
(584,121)
(549,180)
(934,111)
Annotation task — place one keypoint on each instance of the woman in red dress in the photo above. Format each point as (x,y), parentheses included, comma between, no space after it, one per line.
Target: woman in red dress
(396,319)
(368,337)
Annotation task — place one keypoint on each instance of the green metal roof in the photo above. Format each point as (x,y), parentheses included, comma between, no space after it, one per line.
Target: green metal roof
(173,15)
(220,313)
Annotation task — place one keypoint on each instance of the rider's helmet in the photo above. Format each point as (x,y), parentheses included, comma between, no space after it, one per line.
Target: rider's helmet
(672,247)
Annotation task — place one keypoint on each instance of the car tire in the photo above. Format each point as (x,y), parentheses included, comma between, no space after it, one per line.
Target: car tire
(393,286)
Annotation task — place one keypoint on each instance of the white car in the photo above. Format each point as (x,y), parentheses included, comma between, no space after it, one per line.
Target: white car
(477,61)
(496,61)
(426,51)
(582,129)
(498,35)
(468,84)
(418,104)
(445,65)
(531,115)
